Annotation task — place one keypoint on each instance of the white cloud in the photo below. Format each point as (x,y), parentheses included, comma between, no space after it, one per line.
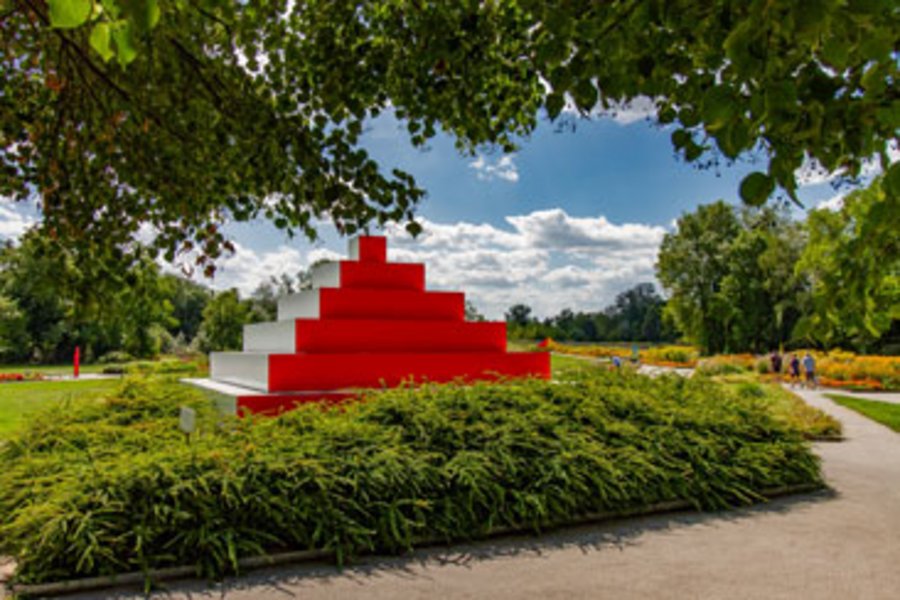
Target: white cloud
(640,108)
(549,260)
(246,269)
(13,223)
(812,173)
(503,168)
(835,203)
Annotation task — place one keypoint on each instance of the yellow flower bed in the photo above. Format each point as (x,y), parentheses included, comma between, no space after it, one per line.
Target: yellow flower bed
(837,368)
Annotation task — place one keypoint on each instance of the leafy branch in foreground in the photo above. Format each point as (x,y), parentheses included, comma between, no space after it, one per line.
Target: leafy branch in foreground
(216,110)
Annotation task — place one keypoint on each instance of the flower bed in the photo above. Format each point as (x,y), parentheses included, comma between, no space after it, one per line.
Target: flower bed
(7,377)
(110,487)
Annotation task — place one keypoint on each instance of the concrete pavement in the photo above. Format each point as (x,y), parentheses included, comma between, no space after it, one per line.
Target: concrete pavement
(840,544)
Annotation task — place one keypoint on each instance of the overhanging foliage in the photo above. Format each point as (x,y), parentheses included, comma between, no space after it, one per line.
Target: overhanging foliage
(184,114)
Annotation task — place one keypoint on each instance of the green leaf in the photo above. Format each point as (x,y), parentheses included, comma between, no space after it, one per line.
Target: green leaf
(680,138)
(891,183)
(554,103)
(101,40)
(585,95)
(144,14)
(124,40)
(717,108)
(67,14)
(756,188)
(413,228)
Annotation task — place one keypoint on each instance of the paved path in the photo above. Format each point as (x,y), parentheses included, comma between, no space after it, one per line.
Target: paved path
(841,544)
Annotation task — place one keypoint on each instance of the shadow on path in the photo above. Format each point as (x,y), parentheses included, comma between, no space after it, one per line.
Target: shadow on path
(614,535)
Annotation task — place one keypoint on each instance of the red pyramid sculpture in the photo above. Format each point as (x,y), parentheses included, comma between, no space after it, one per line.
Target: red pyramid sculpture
(366,323)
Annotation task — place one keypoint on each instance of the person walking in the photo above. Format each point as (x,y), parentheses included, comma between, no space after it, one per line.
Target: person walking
(809,365)
(794,371)
(775,362)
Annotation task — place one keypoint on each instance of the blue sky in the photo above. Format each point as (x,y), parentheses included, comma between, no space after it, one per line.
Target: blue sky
(570,220)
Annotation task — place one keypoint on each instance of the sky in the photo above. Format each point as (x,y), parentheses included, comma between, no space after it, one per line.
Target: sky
(570,220)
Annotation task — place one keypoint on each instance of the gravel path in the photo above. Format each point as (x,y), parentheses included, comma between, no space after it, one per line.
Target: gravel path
(841,544)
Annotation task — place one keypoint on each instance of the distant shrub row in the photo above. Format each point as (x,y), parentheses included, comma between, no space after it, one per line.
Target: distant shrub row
(114,486)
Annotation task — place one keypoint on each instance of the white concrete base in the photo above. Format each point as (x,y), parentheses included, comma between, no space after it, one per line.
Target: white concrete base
(277,336)
(247,369)
(226,394)
(304,305)
(326,275)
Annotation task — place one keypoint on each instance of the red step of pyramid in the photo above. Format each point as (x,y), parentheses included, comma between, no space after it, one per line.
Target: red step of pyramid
(367,323)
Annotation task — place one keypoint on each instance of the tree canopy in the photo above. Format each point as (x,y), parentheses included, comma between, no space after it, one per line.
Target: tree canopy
(853,261)
(186,114)
(756,279)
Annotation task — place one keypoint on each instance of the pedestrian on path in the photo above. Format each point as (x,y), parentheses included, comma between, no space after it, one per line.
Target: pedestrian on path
(809,365)
(794,370)
(775,361)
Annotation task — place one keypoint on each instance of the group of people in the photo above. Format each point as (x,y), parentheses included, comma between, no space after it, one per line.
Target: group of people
(793,368)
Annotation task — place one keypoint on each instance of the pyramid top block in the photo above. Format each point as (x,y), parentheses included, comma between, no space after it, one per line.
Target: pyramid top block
(369,248)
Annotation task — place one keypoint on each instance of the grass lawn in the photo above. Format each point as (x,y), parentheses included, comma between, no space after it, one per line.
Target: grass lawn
(50,369)
(18,400)
(883,412)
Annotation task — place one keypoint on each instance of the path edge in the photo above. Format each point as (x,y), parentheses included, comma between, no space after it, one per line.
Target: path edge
(250,563)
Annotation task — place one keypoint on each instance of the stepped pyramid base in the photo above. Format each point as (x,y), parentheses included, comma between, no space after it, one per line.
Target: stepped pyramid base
(365,324)
(310,372)
(239,400)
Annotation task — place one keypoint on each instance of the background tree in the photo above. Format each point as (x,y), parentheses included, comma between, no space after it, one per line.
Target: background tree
(13,332)
(853,262)
(733,279)
(636,315)
(71,298)
(472,312)
(223,322)
(692,264)
(188,299)
(518,314)
(189,114)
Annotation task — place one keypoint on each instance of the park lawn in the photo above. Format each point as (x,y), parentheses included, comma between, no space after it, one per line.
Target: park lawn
(560,365)
(882,412)
(50,369)
(19,400)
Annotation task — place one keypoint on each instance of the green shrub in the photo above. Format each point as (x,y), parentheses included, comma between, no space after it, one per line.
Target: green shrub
(719,368)
(116,356)
(112,487)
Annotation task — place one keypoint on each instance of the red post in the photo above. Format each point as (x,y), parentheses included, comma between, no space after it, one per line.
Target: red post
(77,360)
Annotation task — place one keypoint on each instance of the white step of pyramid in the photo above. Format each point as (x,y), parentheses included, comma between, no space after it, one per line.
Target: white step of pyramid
(249,369)
(304,305)
(326,274)
(279,336)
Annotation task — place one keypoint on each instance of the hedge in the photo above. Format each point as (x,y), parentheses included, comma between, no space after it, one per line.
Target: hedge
(111,487)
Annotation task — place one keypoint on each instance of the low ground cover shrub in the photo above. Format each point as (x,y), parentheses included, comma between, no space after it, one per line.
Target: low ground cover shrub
(812,422)
(186,366)
(114,486)
(726,364)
